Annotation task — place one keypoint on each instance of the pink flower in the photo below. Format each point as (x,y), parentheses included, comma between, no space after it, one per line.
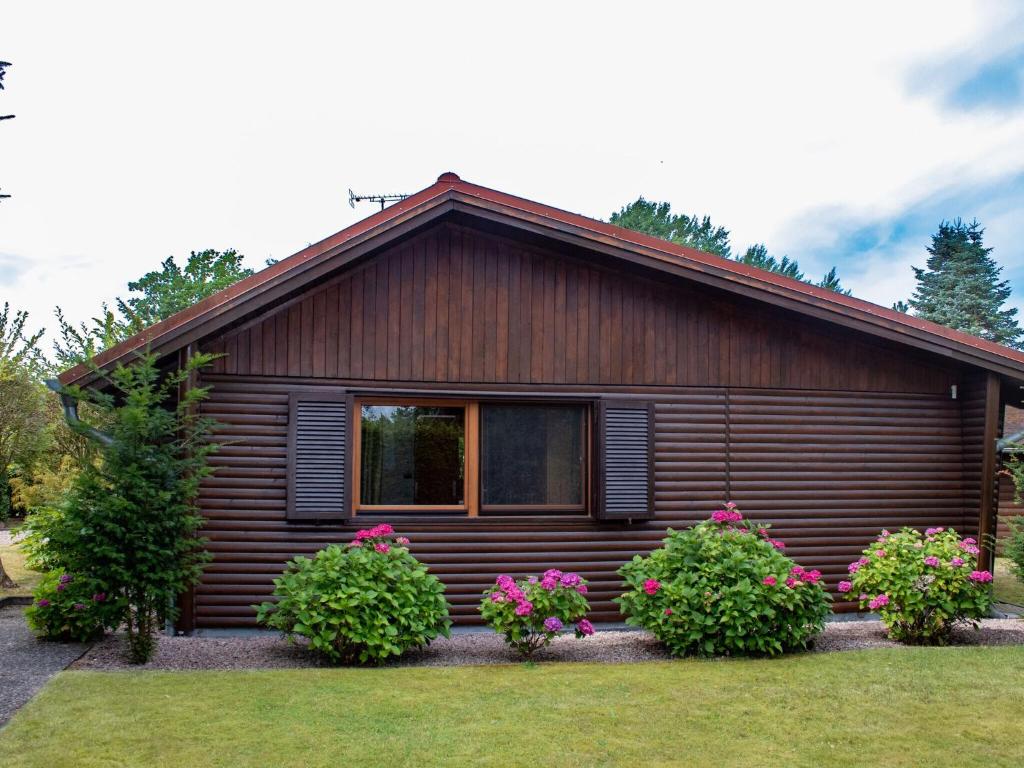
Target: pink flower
(884,533)
(582,589)
(549,583)
(957,561)
(776,543)
(62,586)
(363,533)
(770,581)
(791,582)
(730,505)
(933,531)
(585,627)
(553,573)
(402,540)
(524,608)
(356,543)
(726,516)
(515,593)
(497,597)
(505,582)
(381,530)
(878,602)
(797,571)
(65,578)
(42,603)
(812,577)
(862,597)
(880,553)
(762,532)
(932,561)
(970,541)
(968,546)
(980,576)
(668,611)
(552,624)
(79,606)
(845,586)
(570,579)
(853,567)
(99,597)
(381,547)
(651,586)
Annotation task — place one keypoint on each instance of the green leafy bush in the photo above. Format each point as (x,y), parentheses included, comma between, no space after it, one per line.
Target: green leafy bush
(1013,547)
(360,604)
(72,607)
(724,587)
(922,584)
(530,612)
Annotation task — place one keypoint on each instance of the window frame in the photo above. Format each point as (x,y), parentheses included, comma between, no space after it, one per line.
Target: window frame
(472,508)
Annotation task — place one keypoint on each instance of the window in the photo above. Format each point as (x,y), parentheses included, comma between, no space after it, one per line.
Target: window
(469,457)
(532,456)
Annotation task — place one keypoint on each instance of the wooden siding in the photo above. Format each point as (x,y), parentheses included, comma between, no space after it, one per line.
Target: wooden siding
(827,469)
(460,306)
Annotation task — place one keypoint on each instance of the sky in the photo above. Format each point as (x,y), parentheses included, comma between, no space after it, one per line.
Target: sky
(836,134)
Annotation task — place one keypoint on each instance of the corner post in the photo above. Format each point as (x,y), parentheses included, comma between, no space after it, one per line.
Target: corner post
(989,465)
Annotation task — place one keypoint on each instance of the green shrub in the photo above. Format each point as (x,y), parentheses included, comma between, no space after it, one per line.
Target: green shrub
(360,604)
(922,585)
(530,612)
(72,607)
(724,587)
(1013,547)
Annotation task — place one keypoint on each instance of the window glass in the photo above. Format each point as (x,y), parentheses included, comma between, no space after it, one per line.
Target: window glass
(532,455)
(412,454)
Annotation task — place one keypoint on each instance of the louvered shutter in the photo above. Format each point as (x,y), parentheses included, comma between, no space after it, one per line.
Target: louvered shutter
(625,466)
(319,454)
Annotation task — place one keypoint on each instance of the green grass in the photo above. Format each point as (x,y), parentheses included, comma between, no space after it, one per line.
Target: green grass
(1006,587)
(14,564)
(903,707)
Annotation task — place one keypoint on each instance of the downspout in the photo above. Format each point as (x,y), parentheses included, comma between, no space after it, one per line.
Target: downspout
(70,405)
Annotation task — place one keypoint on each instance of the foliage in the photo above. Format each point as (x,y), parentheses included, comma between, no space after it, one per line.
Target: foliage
(173,288)
(658,220)
(960,286)
(70,607)
(922,585)
(757,256)
(130,518)
(360,604)
(531,612)
(831,282)
(19,348)
(161,292)
(724,587)
(1013,546)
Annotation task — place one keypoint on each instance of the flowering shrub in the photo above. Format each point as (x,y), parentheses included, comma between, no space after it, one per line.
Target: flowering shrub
(362,603)
(69,607)
(724,587)
(922,585)
(530,612)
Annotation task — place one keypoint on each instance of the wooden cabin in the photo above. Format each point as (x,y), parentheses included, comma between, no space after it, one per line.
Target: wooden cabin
(515,387)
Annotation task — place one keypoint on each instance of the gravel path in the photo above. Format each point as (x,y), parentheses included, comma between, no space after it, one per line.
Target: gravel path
(272,652)
(25,662)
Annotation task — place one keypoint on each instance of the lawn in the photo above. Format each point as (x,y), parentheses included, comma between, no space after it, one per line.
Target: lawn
(1007,588)
(14,563)
(903,707)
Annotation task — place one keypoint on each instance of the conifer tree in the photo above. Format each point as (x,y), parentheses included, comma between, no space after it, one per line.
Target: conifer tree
(959,287)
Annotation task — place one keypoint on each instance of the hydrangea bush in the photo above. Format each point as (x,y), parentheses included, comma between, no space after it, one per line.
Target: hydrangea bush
(922,584)
(724,587)
(359,604)
(72,607)
(530,612)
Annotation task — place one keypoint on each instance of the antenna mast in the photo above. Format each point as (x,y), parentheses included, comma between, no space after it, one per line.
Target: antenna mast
(353,198)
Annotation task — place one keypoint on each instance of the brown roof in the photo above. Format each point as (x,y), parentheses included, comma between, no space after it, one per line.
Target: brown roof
(450,192)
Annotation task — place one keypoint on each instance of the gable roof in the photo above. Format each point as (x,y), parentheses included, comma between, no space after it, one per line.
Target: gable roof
(450,193)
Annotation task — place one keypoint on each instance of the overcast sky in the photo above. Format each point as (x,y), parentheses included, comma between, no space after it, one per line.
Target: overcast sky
(834,133)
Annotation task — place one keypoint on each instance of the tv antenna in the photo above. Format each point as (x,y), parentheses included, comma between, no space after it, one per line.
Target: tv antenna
(353,198)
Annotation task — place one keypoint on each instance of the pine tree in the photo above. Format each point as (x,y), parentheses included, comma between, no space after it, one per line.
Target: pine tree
(960,286)
(658,220)
(832,282)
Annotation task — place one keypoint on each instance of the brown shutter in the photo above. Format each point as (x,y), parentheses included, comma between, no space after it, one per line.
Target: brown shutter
(625,460)
(319,456)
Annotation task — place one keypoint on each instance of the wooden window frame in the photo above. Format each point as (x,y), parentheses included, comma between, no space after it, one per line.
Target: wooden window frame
(472,507)
(470,470)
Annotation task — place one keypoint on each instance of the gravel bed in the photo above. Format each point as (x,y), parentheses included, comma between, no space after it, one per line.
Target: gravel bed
(466,648)
(25,662)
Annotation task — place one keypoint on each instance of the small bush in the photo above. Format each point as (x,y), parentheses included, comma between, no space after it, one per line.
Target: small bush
(70,607)
(360,604)
(530,612)
(724,587)
(1013,547)
(922,585)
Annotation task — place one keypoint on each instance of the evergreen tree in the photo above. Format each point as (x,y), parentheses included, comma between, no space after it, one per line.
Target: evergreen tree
(658,220)
(831,281)
(757,256)
(959,287)
(901,306)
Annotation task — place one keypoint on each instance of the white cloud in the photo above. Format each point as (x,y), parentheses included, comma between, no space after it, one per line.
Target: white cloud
(142,133)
